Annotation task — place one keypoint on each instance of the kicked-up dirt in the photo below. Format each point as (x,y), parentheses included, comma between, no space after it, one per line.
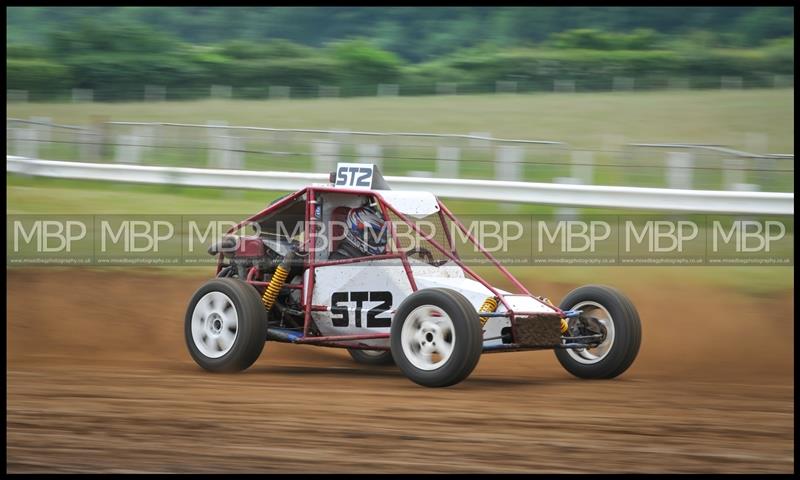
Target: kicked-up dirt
(99,380)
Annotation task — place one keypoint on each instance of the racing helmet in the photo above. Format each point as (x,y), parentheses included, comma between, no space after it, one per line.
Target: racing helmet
(365,230)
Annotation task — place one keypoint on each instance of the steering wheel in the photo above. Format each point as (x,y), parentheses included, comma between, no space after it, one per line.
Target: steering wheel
(427,256)
(422,252)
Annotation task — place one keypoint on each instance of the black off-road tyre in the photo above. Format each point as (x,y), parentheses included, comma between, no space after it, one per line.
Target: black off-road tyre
(466,337)
(627,332)
(371,357)
(249,334)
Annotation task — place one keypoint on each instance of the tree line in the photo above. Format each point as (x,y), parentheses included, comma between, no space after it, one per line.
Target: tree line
(116,55)
(412,33)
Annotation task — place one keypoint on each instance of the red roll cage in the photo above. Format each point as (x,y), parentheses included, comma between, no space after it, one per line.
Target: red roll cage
(310,263)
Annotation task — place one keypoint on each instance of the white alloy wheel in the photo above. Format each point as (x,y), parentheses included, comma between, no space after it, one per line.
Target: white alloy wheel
(215,324)
(428,337)
(590,356)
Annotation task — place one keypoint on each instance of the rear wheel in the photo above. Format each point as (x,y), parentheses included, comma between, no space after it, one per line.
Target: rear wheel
(605,310)
(225,326)
(436,337)
(372,357)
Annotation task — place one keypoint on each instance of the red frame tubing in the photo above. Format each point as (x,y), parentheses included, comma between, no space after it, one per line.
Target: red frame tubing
(403,256)
(280,203)
(311,264)
(311,225)
(457,260)
(330,338)
(447,231)
(494,260)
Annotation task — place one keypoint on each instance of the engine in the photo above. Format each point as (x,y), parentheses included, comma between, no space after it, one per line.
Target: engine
(271,260)
(240,254)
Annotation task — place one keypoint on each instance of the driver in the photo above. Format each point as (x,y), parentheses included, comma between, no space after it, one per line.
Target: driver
(364,235)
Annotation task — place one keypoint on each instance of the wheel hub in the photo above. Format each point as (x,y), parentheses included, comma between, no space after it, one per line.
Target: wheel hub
(215,324)
(597,320)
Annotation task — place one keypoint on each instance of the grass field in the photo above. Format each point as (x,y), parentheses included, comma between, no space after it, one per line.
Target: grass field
(589,120)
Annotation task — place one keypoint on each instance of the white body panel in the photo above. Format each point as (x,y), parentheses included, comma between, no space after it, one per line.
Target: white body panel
(415,204)
(361,289)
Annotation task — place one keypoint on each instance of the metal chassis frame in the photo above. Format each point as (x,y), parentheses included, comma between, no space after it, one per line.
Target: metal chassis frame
(310,264)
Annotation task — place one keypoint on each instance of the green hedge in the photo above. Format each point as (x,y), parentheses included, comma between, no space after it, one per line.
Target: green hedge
(36,75)
(356,67)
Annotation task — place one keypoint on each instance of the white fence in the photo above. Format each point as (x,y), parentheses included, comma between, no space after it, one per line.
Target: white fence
(477,155)
(500,86)
(673,200)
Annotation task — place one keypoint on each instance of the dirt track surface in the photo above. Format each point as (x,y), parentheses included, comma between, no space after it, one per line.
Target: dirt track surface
(99,380)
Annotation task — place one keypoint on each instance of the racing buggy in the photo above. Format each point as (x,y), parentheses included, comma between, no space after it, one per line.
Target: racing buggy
(404,296)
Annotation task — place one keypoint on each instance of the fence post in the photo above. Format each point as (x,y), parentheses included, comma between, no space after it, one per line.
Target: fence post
(446,88)
(155,93)
(26,142)
(679,173)
(766,173)
(730,82)
(101,147)
(567,213)
(279,92)
(758,143)
(128,149)
(146,137)
(234,156)
(328,91)
(447,161)
(91,147)
(583,166)
(325,154)
(624,84)
(388,89)
(221,91)
(216,144)
(502,86)
(16,96)
(681,83)
(509,163)
(369,153)
(563,85)
(732,173)
(80,95)
(45,131)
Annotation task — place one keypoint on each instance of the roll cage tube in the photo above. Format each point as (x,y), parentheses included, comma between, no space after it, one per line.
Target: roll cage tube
(310,263)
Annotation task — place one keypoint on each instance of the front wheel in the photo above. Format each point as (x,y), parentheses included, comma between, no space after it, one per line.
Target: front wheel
(605,310)
(436,337)
(225,326)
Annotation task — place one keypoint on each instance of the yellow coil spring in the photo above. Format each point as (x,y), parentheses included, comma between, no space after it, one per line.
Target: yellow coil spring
(489,305)
(275,284)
